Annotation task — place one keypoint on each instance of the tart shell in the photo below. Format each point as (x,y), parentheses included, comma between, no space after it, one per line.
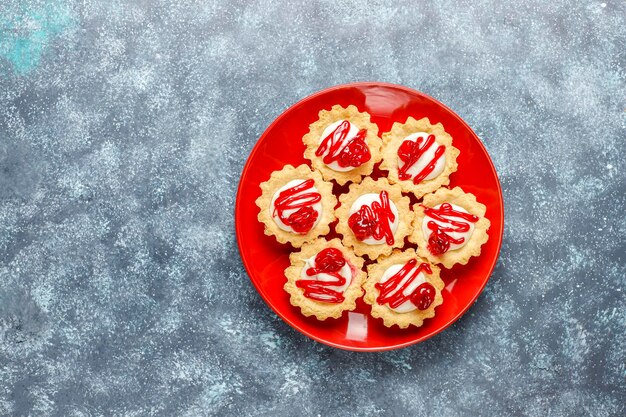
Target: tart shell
(394,138)
(322,310)
(313,138)
(403,320)
(405,217)
(277,180)
(478,238)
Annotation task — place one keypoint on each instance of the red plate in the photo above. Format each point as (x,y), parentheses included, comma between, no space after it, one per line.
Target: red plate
(265,259)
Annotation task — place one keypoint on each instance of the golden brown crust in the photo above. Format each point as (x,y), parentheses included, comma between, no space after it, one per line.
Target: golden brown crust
(403,320)
(404,213)
(328,117)
(394,138)
(277,180)
(478,238)
(310,307)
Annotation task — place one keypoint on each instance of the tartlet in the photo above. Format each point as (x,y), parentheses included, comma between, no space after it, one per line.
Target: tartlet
(314,270)
(343,144)
(419,156)
(403,289)
(449,227)
(296,205)
(374,217)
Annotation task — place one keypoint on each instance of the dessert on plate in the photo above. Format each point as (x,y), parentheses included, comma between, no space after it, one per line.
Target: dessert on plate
(402,285)
(419,156)
(374,217)
(403,289)
(324,279)
(343,144)
(449,227)
(296,205)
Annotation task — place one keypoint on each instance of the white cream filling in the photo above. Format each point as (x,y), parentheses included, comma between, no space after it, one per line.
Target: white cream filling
(286,213)
(425,159)
(367,200)
(345,272)
(417,281)
(455,235)
(351,133)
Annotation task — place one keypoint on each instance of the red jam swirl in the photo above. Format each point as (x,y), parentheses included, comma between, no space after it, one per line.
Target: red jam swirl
(439,240)
(391,293)
(374,221)
(303,219)
(354,154)
(410,152)
(329,261)
(423,296)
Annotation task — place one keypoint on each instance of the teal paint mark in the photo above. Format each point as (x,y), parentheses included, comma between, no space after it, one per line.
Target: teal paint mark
(27,29)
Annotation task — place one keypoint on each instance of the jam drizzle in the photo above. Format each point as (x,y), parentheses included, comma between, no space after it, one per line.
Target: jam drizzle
(329,261)
(391,293)
(374,221)
(354,154)
(410,152)
(303,219)
(439,240)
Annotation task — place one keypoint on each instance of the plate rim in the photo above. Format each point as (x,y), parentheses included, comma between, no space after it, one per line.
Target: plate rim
(239,232)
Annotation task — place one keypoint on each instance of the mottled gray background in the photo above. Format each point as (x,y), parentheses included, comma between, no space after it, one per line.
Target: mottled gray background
(123,123)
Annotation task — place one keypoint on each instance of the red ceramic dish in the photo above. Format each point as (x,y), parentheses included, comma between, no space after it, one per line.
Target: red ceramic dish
(281,144)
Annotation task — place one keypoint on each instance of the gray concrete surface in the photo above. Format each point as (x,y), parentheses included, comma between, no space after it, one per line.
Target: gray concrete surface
(122,292)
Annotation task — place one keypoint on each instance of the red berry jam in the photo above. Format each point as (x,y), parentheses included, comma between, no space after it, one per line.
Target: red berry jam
(329,260)
(363,223)
(437,243)
(373,221)
(455,221)
(410,152)
(405,151)
(392,291)
(303,219)
(354,154)
(423,296)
